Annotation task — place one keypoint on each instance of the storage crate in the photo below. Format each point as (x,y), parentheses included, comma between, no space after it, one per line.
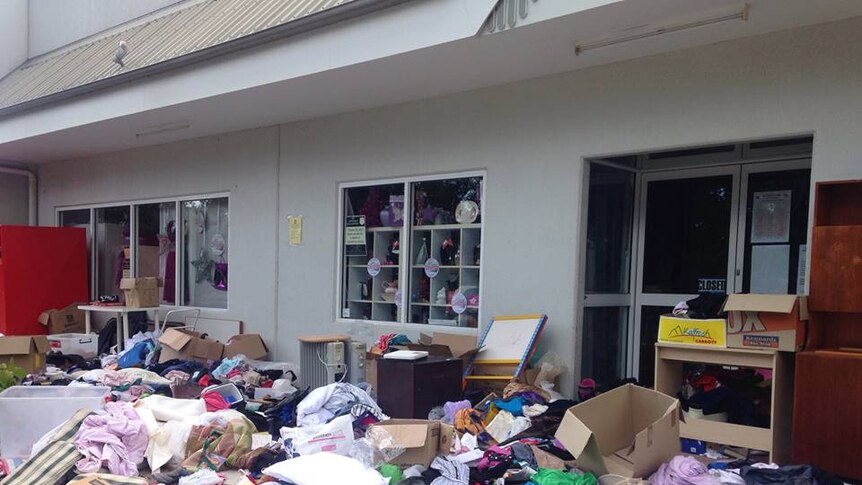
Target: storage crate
(29,412)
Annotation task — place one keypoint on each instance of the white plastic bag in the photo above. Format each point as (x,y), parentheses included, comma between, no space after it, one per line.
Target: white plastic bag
(550,366)
(335,436)
(376,448)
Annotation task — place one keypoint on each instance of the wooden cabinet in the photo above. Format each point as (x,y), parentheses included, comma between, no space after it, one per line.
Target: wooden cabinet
(409,389)
(40,268)
(828,392)
(827,417)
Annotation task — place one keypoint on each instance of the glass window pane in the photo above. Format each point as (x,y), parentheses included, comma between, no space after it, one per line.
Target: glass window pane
(372,228)
(445,253)
(80,218)
(205,252)
(609,229)
(604,344)
(649,335)
(112,249)
(798,183)
(156,251)
(687,233)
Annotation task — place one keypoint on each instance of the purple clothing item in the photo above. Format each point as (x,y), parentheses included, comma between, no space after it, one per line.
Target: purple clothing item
(118,439)
(450,408)
(683,470)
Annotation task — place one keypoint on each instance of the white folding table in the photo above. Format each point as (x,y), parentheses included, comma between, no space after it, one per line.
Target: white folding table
(122,313)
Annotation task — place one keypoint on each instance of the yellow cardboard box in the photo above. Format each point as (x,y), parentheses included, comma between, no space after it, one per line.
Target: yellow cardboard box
(691,331)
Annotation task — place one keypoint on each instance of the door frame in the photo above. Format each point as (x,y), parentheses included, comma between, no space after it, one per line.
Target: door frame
(670,299)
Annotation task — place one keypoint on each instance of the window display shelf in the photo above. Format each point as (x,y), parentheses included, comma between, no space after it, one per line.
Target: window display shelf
(384,229)
(443,227)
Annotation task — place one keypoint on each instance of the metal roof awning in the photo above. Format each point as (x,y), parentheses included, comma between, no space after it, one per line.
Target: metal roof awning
(202,30)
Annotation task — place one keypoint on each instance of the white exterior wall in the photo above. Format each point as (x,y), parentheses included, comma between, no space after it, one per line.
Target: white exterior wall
(14,199)
(55,23)
(530,136)
(245,164)
(13,35)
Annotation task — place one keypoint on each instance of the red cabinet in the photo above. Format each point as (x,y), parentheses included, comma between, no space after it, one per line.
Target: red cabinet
(40,268)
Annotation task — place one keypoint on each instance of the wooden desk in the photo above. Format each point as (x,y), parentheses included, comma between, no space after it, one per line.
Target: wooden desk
(669,359)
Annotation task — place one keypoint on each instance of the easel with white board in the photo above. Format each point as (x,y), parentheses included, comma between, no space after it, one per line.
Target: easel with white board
(507,344)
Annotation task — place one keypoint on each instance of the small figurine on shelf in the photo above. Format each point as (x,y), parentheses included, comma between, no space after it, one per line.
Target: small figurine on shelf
(394,250)
(372,207)
(477,251)
(447,252)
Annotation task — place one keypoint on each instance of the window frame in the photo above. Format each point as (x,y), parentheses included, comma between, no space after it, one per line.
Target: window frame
(133,233)
(406,244)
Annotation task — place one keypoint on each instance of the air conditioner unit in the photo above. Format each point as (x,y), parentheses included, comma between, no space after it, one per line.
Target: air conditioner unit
(321,362)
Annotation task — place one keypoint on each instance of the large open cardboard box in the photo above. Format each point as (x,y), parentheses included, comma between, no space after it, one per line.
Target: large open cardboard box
(188,345)
(64,320)
(629,431)
(27,352)
(423,440)
(250,345)
(766,321)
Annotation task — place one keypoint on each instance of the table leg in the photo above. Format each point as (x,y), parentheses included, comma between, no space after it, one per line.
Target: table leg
(125,330)
(88,326)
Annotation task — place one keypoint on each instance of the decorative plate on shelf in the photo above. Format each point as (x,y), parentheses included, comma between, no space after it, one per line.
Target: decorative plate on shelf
(466,212)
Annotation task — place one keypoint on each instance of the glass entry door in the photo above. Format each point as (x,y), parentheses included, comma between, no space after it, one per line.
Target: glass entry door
(687,242)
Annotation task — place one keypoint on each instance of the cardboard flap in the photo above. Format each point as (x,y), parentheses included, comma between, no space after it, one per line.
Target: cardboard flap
(45,316)
(15,345)
(409,435)
(446,433)
(458,344)
(574,434)
(175,339)
(135,283)
(41,343)
(760,303)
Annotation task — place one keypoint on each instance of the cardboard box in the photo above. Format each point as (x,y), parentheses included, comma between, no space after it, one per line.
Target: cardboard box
(692,331)
(766,321)
(64,320)
(141,292)
(629,431)
(446,345)
(27,352)
(188,345)
(250,345)
(423,440)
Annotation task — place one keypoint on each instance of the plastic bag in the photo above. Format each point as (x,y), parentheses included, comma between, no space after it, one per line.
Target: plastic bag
(376,448)
(335,436)
(550,366)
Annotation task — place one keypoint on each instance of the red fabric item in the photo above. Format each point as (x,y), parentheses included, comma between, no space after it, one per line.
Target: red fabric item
(233,373)
(266,384)
(204,381)
(214,401)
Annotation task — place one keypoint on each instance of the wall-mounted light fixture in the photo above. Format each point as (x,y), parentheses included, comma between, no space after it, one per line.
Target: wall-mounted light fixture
(740,15)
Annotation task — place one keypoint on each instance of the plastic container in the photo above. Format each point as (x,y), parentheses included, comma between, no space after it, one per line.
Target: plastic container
(29,412)
(87,346)
(229,392)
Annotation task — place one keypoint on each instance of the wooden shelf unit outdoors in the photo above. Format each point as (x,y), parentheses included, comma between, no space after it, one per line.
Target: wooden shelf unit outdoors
(669,360)
(827,421)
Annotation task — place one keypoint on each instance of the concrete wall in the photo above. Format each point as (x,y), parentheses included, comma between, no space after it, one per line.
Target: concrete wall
(242,163)
(531,138)
(13,34)
(14,199)
(55,23)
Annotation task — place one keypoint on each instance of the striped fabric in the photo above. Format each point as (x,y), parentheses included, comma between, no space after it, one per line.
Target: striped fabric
(51,465)
(48,467)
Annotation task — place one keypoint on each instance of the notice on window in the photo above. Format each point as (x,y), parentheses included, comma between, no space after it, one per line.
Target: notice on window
(770,269)
(770,219)
(354,236)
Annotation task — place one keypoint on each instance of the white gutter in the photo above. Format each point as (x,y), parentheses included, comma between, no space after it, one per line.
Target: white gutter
(31,177)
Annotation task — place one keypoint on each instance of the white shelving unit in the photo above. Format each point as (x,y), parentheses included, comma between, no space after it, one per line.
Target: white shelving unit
(374,306)
(460,274)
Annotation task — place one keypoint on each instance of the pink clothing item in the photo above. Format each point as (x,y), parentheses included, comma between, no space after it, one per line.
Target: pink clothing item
(117,439)
(214,401)
(683,470)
